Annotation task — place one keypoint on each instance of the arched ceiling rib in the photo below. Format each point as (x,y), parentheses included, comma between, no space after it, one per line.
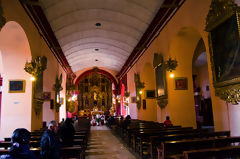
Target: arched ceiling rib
(123,23)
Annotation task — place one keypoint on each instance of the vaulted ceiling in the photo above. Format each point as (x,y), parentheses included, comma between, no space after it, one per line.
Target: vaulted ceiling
(99,33)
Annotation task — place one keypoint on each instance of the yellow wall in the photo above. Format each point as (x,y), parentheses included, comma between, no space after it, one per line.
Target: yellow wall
(179,39)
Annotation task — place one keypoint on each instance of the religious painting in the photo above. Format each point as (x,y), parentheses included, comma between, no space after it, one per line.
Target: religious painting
(225,40)
(16,86)
(133,100)
(61,100)
(181,83)
(46,95)
(161,82)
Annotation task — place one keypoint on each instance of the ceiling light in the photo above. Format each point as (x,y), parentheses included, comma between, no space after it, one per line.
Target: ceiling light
(98,24)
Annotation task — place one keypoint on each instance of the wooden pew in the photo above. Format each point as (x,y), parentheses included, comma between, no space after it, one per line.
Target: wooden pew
(221,152)
(169,149)
(66,152)
(157,140)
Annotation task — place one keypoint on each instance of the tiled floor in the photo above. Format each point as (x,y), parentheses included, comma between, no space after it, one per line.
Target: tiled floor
(104,145)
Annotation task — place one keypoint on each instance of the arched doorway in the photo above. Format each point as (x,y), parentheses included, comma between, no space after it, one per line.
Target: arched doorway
(202,96)
(16,107)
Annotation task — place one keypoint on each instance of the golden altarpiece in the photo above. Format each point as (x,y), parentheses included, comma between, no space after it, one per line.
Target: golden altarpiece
(95,93)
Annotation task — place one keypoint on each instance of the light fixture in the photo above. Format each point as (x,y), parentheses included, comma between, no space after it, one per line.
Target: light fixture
(96,49)
(140,92)
(33,78)
(171,64)
(96,60)
(171,75)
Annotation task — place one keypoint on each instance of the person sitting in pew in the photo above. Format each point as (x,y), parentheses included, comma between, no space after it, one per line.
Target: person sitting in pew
(20,146)
(167,122)
(50,143)
(66,132)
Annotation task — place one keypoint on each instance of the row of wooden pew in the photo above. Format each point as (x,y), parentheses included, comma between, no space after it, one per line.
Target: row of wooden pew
(153,140)
(75,151)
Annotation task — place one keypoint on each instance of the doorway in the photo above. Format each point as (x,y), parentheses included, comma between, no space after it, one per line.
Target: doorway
(202,96)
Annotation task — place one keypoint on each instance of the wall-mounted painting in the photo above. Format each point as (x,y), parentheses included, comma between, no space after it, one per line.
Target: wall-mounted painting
(16,86)
(61,100)
(222,23)
(181,83)
(133,100)
(46,95)
(225,40)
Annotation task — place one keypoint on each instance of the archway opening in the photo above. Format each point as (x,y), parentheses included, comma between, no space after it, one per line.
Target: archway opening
(202,96)
(16,104)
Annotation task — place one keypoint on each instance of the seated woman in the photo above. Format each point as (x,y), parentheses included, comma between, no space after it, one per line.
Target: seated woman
(20,146)
(167,122)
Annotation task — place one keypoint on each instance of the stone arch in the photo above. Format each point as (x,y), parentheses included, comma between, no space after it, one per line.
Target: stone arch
(15,51)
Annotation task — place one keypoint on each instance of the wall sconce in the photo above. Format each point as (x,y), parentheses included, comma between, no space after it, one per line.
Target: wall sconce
(171,64)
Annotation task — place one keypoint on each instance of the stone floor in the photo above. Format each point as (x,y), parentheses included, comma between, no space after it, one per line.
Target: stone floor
(103,144)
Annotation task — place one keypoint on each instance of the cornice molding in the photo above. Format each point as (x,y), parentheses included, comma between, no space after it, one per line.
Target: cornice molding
(39,19)
(163,16)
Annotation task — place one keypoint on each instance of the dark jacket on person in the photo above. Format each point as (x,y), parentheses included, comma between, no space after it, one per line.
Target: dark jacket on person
(66,133)
(50,145)
(21,152)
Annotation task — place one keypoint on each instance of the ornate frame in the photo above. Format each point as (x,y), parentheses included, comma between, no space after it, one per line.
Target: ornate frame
(158,62)
(19,90)
(220,12)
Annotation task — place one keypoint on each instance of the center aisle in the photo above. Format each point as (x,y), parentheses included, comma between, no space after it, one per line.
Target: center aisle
(103,144)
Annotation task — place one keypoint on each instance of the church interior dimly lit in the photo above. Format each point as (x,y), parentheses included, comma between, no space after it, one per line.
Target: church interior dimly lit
(119,79)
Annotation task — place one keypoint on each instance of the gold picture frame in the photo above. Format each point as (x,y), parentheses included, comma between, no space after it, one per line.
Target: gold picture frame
(181,83)
(16,86)
(222,23)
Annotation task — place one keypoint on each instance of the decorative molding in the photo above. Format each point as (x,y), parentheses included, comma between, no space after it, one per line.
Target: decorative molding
(139,86)
(57,87)
(39,19)
(161,19)
(162,102)
(230,94)
(220,10)
(2,18)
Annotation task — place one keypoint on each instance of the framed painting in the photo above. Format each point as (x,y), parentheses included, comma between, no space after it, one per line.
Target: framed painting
(133,99)
(225,48)
(16,86)
(161,82)
(181,83)
(61,100)
(46,95)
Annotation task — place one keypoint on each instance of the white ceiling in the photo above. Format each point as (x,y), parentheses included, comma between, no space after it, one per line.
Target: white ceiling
(123,23)
(201,60)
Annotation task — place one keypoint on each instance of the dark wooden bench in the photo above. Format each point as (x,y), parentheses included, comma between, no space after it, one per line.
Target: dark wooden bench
(157,140)
(169,148)
(66,152)
(221,152)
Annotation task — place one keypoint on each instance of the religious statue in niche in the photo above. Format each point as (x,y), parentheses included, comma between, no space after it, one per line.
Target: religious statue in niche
(94,96)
